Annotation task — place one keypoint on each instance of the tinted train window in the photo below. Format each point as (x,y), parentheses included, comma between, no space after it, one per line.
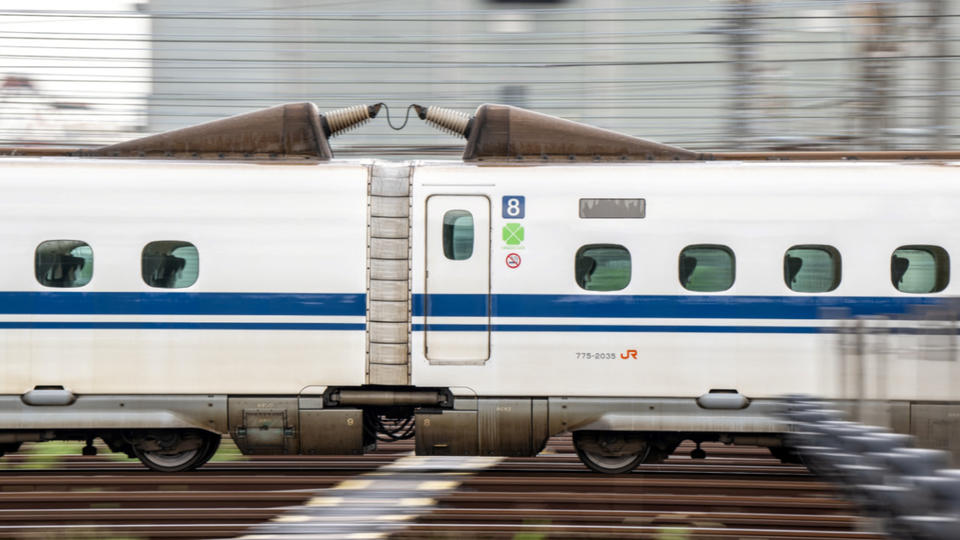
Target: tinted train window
(63,263)
(458,235)
(170,264)
(920,269)
(812,269)
(602,267)
(706,268)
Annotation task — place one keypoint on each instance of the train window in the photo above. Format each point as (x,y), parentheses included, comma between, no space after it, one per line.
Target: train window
(706,268)
(602,267)
(63,263)
(812,269)
(170,264)
(458,235)
(920,269)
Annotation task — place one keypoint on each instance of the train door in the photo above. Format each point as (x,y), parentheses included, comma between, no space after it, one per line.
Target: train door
(457,299)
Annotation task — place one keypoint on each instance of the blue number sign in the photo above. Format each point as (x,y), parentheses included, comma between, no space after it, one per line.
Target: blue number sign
(513,206)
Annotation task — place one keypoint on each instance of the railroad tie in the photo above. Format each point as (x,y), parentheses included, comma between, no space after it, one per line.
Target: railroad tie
(373,505)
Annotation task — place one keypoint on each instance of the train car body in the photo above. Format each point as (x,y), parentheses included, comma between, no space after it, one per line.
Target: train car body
(489,305)
(270,286)
(546,335)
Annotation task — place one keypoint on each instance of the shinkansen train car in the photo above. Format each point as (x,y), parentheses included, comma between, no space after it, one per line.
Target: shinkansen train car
(232,279)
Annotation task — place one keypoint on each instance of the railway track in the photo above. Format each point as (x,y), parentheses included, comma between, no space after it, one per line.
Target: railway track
(734,493)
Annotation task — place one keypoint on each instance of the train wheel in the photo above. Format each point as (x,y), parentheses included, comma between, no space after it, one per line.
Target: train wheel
(176,452)
(211,449)
(610,452)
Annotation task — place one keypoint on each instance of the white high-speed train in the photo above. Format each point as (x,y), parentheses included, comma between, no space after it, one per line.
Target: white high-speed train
(232,279)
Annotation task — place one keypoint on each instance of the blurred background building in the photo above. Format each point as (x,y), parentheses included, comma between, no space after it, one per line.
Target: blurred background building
(705,74)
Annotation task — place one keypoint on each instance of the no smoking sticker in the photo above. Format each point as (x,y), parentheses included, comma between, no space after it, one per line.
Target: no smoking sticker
(513,260)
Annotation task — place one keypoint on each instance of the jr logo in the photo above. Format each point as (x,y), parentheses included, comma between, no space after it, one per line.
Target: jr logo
(631,353)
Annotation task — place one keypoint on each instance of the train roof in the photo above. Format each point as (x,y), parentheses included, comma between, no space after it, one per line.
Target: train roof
(494,134)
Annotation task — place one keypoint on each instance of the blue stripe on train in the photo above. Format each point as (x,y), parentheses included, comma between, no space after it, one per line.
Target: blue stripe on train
(180,303)
(93,325)
(668,306)
(622,328)
(453,305)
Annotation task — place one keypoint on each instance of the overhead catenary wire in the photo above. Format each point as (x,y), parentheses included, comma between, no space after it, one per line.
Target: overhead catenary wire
(653,71)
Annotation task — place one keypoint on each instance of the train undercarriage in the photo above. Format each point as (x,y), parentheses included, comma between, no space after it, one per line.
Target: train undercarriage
(177,433)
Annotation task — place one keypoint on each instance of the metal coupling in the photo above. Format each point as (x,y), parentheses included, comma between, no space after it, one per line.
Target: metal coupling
(388,398)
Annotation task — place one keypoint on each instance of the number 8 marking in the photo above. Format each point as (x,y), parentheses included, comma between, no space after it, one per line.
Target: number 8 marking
(513,206)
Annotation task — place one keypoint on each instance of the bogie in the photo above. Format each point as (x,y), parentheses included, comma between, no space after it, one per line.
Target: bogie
(174,451)
(611,452)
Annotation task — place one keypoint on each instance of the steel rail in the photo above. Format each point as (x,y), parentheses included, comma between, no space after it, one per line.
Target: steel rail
(736,492)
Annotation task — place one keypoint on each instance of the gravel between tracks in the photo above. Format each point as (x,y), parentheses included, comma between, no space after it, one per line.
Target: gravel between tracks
(734,493)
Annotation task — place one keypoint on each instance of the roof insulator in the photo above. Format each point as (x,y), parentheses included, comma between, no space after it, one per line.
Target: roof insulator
(339,121)
(450,121)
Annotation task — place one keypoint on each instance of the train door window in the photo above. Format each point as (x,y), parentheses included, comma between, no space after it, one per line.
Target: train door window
(63,263)
(706,268)
(602,267)
(170,264)
(812,269)
(920,269)
(457,235)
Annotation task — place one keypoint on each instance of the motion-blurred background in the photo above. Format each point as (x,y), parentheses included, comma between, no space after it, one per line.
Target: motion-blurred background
(705,74)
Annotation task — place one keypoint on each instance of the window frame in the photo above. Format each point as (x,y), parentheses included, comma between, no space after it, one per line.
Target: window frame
(835,257)
(941,276)
(36,264)
(721,247)
(576,259)
(184,243)
(452,228)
